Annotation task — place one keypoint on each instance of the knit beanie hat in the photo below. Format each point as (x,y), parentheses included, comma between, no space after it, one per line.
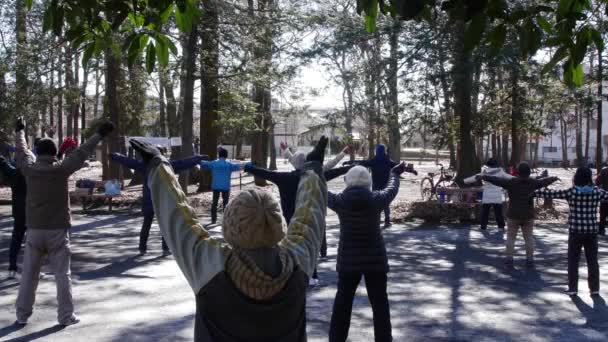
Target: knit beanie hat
(358,176)
(46,146)
(298,160)
(524,170)
(253,219)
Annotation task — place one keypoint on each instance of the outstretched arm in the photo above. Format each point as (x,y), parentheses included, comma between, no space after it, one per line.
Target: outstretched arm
(199,256)
(23,155)
(303,238)
(548,193)
(130,163)
(337,172)
(545,182)
(383,198)
(75,160)
(272,176)
(501,182)
(332,163)
(185,164)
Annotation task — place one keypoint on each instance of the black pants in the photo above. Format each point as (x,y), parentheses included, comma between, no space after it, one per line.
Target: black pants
(387,214)
(575,243)
(16,241)
(375,282)
(145,232)
(485,214)
(603,215)
(216,199)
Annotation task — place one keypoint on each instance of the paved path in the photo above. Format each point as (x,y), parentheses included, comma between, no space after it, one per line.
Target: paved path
(446,284)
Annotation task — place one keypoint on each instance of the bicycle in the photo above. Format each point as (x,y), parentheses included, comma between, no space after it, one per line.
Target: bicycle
(428,186)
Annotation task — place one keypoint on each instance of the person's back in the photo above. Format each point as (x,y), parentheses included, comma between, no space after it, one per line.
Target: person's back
(253,286)
(381,166)
(221,171)
(361,243)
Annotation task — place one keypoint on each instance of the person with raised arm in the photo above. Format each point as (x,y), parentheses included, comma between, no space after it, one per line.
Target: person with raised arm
(361,251)
(48,218)
(18,195)
(221,172)
(252,286)
(146,202)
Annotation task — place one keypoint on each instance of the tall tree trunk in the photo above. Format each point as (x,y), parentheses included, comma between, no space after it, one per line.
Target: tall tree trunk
(162,115)
(209,87)
(535,156)
(50,129)
(587,130)
(505,150)
(172,119)
(273,149)
(394,132)
(77,99)
(262,55)
(60,92)
(21,61)
(190,57)
(137,102)
(599,158)
(516,117)
(83,103)
(96,101)
(494,141)
(468,164)
(114,107)
(563,128)
(578,112)
(69,87)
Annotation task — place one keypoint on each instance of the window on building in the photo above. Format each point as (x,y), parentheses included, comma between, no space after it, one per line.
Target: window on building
(549,149)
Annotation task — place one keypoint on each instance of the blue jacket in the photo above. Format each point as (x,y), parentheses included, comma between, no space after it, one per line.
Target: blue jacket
(361,247)
(139,167)
(220,173)
(380,166)
(18,188)
(287,182)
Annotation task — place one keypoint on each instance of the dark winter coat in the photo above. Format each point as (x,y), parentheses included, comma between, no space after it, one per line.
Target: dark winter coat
(287,182)
(380,167)
(521,194)
(361,247)
(18,188)
(139,167)
(281,318)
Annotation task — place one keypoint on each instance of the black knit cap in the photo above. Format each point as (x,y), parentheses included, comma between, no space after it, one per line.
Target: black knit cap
(492,162)
(46,147)
(524,170)
(583,176)
(223,153)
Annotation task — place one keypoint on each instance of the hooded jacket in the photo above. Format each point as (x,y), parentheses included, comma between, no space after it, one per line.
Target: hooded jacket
(361,247)
(492,194)
(139,167)
(216,276)
(380,166)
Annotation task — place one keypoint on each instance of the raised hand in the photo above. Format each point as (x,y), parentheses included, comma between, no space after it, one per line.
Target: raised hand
(105,128)
(399,169)
(283,146)
(347,149)
(147,151)
(19,124)
(318,153)
(410,168)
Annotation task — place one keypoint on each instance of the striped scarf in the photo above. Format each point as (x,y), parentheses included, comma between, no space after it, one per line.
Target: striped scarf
(252,281)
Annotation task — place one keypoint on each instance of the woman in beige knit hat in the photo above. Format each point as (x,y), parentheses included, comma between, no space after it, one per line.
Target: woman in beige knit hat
(252,288)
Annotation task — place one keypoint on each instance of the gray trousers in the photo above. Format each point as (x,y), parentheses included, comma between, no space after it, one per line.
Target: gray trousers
(56,245)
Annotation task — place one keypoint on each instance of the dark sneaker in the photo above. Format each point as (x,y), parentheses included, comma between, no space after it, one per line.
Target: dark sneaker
(71,321)
(21,321)
(483,227)
(142,252)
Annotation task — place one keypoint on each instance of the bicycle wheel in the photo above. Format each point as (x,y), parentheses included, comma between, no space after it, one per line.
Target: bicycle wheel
(426,189)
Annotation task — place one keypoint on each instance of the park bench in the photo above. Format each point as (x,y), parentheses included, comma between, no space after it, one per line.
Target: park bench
(89,198)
